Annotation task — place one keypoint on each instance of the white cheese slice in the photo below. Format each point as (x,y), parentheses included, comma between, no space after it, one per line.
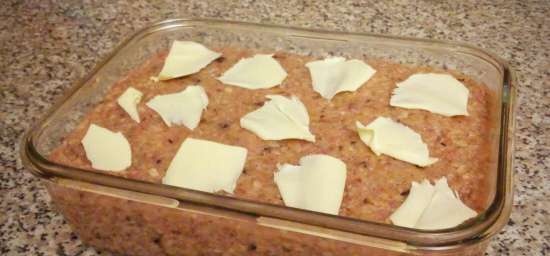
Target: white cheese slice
(289,181)
(441,186)
(333,75)
(107,150)
(431,207)
(385,136)
(185,58)
(206,166)
(410,211)
(445,209)
(437,93)
(261,71)
(129,101)
(181,108)
(317,184)
(278,119)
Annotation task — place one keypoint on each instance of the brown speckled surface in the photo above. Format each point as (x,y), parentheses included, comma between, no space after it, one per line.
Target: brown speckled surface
(375,185)
(45,47)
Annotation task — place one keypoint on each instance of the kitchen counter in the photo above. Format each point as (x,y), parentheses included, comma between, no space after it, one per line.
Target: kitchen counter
(45,47)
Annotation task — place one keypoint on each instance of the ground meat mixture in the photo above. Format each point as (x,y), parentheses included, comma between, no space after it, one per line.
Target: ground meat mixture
(375,185)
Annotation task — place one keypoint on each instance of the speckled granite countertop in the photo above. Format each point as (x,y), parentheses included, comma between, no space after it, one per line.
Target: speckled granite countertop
(45,46)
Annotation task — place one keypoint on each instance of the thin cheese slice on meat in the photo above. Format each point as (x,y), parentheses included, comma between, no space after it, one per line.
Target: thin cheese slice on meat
(278,119)
(206,166)
(186,58)
(445,209)
(107,150)
(181,108)
(317,184)
(432,207)
(261,71)
(129,101)
(385,136)
(410,211)
(333,75)
(438,93)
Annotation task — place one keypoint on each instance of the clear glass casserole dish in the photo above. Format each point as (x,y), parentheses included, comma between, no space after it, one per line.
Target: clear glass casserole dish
(154,219)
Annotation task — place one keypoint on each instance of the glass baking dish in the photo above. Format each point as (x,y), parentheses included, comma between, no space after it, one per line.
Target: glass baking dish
(140,218)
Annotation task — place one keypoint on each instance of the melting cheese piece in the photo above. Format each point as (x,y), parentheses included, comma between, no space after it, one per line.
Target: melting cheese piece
(432,207)
(317,184)
(206,166)
(333,75)
(182,108)
(278,119)
(437,93)
(107,150)
(259,72)
(385,136)
(129,100)
(185,58)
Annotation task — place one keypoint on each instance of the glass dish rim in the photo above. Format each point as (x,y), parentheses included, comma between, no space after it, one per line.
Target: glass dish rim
(480,228)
